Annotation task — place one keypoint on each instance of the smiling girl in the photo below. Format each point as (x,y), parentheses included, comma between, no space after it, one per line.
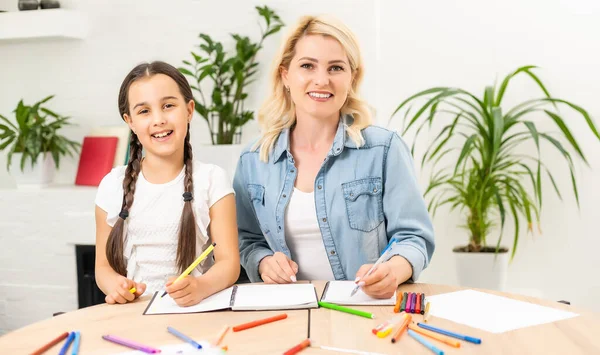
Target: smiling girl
(157,214)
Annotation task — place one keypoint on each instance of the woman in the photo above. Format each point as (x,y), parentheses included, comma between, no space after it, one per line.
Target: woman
(322,192)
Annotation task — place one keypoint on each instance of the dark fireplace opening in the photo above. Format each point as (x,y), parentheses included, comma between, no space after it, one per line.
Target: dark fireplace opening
(88,292)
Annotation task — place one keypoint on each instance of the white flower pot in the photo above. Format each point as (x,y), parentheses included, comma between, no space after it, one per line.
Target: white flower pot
(42,173)
(482,270)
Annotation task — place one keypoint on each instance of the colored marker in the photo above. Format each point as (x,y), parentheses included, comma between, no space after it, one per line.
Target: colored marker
(131,344)
(426,316)
(450,334)
(298,348)
(428,333)
(423,303)
(76,343)
(184,337)
(418,303)
(398,302)
(427,344)
(403,326)
(256,323)
(222,335)
(65,347)
(404,300)
(53,342)
(356,312)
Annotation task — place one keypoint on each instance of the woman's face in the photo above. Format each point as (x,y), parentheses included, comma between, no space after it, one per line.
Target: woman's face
(319,77)
(159,115)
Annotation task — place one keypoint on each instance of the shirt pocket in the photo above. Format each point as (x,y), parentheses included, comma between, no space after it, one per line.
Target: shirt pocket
(257,198)
(364,203)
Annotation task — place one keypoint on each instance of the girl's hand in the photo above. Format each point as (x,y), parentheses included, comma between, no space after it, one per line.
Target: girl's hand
(187,291)
(121,294)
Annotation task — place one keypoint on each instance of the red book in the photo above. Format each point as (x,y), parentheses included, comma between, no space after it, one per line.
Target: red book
(96,160)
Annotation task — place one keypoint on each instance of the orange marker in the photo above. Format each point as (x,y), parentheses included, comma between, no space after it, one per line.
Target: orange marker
(444,339)
(298,348)
(398,302)
(403,326)
(221,335)
(256,323)
(46,347)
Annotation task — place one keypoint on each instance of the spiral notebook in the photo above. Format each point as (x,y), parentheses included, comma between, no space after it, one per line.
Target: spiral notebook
(243,298)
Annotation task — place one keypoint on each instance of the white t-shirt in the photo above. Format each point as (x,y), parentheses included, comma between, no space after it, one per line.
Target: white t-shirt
(304,239)
(150,248)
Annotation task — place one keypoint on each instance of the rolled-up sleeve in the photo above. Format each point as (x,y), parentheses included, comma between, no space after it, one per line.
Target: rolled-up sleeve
(406,214)
(252,243)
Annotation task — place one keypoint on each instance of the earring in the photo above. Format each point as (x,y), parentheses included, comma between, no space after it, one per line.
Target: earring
(287,88)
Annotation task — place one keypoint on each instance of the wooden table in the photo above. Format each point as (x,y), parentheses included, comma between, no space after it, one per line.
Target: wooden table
(579,335)
(128,322)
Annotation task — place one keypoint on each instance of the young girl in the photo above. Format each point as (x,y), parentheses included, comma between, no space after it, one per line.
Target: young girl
(156,215)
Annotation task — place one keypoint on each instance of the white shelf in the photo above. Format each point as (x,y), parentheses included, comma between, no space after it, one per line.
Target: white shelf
(20,26)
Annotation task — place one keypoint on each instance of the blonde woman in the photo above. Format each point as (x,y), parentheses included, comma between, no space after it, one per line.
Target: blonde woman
(322,192)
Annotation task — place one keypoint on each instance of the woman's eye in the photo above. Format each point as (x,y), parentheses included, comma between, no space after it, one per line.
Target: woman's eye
(307,66)
(336,68)
(168,105)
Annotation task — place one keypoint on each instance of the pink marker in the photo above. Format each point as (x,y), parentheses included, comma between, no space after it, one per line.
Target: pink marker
(131,344)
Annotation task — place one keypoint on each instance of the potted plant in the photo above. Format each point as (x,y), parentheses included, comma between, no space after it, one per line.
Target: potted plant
(480,167)
(34,143)
(220,81)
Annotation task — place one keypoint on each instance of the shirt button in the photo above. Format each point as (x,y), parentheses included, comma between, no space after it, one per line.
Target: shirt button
(332,252)
(337,149)
(284,195)
(291,171)
(374,190)
(319,187)
(324,219)
(279,227)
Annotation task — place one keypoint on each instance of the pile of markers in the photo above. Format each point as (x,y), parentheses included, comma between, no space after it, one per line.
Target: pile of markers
(72,338)
(410,302)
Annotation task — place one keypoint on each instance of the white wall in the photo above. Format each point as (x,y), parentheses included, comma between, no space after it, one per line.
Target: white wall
(470,44)
(85,77)
(408,46)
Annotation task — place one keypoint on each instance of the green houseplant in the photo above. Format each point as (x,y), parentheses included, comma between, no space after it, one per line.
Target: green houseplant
(35,135)
(478,162)
(229,76)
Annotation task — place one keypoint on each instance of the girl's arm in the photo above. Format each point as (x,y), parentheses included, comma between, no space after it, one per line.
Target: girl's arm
(223,231)
(116,287)
(225,271)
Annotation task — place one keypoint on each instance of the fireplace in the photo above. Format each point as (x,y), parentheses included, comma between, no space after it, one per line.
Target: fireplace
(88,292)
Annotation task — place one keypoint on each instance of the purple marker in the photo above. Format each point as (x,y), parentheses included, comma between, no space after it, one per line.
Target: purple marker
(131,344)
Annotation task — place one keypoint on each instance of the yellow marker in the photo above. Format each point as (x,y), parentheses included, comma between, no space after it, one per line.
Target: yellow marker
(132,290)
(426,312)
(194,265)
(385,332)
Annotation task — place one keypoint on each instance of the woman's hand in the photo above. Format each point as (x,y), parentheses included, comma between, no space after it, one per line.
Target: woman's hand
(121,293)
(384,280)
(277,269)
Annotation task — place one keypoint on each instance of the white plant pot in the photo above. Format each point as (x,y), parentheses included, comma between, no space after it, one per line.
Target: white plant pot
(482,270)
(225,156)
(41,175)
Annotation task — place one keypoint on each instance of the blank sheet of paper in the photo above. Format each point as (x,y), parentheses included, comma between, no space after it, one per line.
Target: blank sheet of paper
(249,297)
(338,292)
(495,314)
(180,349)
(167,305)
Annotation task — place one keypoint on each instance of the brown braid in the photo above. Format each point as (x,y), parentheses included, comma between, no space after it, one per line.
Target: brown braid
(116,238)
(186,248)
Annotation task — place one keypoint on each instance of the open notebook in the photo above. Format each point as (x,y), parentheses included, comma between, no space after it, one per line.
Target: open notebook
(338,292)
(243,298)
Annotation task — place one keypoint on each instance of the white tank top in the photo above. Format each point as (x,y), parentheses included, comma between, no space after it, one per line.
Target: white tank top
(303,237)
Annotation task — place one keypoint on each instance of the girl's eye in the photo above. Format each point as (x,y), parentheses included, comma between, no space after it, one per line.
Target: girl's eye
(169,105)
(336,68)
(307,66)
(143,112)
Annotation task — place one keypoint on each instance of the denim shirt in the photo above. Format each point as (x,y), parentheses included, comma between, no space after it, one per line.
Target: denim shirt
(364,197)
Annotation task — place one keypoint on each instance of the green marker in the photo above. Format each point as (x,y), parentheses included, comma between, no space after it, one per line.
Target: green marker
(347,310)
(403,305)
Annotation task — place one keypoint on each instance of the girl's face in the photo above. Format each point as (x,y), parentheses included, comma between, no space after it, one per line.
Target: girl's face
(159,115)
(319,76)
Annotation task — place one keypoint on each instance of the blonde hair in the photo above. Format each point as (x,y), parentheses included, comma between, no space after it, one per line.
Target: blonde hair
(278,111)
